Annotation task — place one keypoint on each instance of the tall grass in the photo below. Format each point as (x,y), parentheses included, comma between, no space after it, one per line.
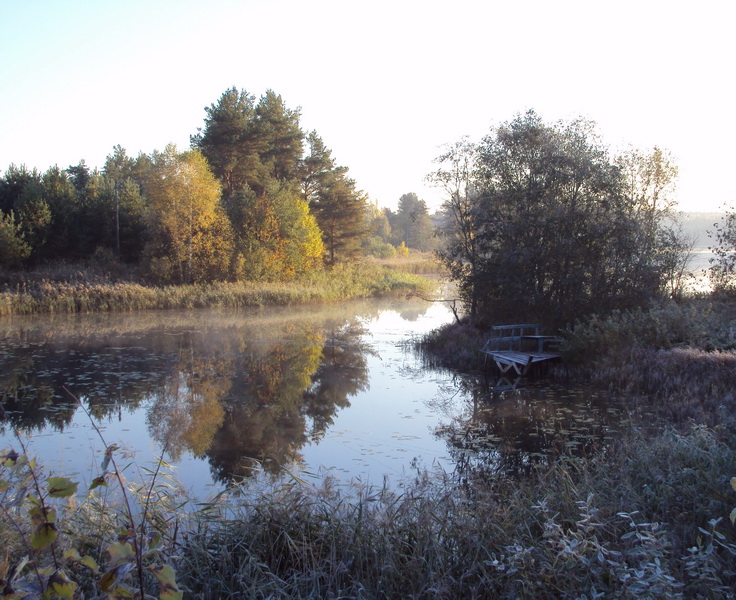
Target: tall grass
(645,519)
(682,358)
(417,263)
(82,296)
(454,346)
(698,323)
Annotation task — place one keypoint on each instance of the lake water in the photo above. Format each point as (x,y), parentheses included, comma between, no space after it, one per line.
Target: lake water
(231,395)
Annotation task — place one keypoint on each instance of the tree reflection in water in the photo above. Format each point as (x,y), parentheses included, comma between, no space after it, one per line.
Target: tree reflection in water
(525,426)
(241,393)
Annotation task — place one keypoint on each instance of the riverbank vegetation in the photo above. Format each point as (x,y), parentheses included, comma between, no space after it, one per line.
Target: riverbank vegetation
(82,292)
(664,489)
(545,226)
(255,200)
(647,517)
(257,212)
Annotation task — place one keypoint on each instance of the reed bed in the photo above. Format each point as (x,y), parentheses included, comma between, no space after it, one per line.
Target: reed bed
(82,296)
(680,358)
(644,520)
(454,346)
(417,263)
(683,384)
(648,518)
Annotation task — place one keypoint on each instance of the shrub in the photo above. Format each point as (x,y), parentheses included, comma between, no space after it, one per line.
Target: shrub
(379,248)
(671,325)
(55,544)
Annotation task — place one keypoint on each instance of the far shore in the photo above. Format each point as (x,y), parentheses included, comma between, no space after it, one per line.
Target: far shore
(76,289)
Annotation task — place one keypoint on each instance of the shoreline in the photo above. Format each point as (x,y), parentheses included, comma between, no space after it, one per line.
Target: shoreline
(83,294)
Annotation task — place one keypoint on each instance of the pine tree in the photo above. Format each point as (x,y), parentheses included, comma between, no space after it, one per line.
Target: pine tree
(341,210)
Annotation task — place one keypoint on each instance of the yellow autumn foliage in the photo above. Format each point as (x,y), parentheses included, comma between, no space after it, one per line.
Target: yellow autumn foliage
(191,239)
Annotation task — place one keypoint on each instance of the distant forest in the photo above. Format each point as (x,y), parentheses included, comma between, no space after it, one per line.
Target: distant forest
(255,198)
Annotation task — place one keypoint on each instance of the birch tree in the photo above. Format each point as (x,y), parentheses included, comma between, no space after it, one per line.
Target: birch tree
(191,238)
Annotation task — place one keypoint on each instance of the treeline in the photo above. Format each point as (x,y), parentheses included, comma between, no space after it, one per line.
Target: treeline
(411,226)
(255,198)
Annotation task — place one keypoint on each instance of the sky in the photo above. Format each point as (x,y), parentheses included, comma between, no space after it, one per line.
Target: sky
(384,83)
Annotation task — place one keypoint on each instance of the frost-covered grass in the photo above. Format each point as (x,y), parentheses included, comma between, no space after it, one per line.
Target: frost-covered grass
(648,518)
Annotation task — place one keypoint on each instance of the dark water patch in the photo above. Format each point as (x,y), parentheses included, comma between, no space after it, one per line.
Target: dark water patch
(525,428)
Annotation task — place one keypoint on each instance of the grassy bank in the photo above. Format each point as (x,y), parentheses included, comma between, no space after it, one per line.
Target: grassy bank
(643,521)
(79,292)
(646,519)
(417,263)
(603,343)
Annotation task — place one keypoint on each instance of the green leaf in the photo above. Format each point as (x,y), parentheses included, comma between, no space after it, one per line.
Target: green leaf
(39,516)
(71,554)
(44,536)
(167,580)
(108,579)
(733,483)
(87,561)
(733,516)
(4,485)
(90,563)
(61,487)
(97,482)
(8,458)
(121,592)
(121,552)
(154,540)
(118,572)
(108,456)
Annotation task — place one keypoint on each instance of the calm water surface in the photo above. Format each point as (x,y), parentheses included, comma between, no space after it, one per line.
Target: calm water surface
(227,395)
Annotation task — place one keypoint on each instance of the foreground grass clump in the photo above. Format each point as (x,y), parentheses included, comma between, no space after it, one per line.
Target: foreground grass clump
(80,295)
(646,519)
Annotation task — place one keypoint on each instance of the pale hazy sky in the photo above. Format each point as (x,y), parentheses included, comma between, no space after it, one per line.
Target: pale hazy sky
(384,82)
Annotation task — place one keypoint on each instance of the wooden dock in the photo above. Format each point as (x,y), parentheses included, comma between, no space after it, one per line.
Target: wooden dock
(518,347)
